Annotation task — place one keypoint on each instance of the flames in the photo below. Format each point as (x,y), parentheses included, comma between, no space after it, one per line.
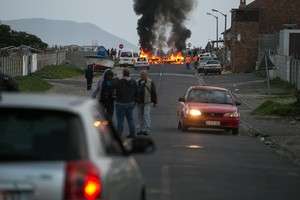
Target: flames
(155,59)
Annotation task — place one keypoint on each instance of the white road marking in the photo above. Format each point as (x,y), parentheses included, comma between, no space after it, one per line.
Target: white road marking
(165,183)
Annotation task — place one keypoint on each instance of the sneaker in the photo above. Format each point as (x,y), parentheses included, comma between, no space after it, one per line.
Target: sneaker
(140,133)
(146,133)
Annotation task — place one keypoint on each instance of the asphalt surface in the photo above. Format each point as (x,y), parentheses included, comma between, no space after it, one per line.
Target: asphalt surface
(280,134)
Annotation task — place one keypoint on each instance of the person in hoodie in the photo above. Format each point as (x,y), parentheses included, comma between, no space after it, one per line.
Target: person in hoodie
(104,92)
(126,97)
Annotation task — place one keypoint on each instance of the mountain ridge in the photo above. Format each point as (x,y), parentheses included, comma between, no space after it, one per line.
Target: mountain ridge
(66,32)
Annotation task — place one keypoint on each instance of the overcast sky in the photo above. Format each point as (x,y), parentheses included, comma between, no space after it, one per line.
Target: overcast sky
(118,17)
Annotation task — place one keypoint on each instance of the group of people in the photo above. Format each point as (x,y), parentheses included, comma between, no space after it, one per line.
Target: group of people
(122,95)
(188,61)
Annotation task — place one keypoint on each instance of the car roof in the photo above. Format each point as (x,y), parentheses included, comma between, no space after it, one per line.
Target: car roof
(207,88)
(45,101)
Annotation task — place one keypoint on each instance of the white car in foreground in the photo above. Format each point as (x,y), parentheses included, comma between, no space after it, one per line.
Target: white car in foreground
(62,147)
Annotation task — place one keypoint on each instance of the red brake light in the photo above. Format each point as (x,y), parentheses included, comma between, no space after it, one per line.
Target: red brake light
(82,181)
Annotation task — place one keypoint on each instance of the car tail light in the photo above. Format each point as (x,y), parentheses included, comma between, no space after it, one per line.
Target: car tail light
(82,181)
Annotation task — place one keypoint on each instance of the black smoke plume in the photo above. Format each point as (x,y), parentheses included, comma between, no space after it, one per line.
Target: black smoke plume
(162,23)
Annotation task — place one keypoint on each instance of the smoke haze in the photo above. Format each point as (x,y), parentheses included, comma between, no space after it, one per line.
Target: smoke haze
(162,23)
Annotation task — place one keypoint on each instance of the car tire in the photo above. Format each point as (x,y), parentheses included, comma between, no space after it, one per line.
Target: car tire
(183,127)
(235,131)
(179,125)
(143,193)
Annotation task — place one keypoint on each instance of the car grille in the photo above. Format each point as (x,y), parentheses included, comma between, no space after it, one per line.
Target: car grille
(213,114)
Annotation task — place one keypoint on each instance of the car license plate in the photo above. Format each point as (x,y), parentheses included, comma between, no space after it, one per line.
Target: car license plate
(213,123)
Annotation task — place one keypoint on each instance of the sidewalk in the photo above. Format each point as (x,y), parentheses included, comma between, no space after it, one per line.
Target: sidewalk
(280,134)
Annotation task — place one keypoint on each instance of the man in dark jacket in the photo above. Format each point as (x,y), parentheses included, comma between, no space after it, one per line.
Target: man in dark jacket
(126,96)
(89,74)
(146,95)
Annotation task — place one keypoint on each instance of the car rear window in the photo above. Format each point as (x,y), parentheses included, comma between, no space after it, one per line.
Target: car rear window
(126,54)
(40,135)
(141,59)
(213,62)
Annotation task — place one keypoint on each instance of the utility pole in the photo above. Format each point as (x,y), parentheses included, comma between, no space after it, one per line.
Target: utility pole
(225,48)
(217,31)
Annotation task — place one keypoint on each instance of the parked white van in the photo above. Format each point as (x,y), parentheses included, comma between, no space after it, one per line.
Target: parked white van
(127,58)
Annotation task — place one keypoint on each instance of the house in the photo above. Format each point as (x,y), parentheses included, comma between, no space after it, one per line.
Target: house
(253,23)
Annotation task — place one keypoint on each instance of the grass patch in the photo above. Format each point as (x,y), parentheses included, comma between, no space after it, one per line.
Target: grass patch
(36,83)
(278,109)
(58,72)
(32,84)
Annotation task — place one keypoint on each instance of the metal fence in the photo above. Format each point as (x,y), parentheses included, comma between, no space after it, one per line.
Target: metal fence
(22,65)
(295,72)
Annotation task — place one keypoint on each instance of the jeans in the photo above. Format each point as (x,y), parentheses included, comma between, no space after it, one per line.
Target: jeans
(188,65)
(125,110)
(143,110)
(108,109)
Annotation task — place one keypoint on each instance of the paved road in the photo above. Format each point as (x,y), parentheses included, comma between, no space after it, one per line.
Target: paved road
(205,164)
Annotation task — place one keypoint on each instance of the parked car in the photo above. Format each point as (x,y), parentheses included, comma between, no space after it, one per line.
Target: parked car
(212,66)
(127,58)
(208,107)
(201,61)
(141,62)
(62,147)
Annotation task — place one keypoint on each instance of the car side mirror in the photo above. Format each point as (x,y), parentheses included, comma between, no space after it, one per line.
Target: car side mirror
(238,103)
(181,99)
(140,145)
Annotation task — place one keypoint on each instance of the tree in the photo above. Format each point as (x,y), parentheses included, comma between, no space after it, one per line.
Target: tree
(9,37)
(5,35)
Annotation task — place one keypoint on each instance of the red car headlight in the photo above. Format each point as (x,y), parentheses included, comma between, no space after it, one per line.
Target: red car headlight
(193,112)
(235,114)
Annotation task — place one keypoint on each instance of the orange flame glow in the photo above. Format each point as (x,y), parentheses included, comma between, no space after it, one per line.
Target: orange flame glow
(177,59)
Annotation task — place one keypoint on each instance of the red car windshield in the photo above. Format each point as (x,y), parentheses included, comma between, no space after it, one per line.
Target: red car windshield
(210,96)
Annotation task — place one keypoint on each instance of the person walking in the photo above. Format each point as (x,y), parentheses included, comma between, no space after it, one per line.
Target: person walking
(89,74)
(146,95)
(126,96)
(188,62)
(105,93)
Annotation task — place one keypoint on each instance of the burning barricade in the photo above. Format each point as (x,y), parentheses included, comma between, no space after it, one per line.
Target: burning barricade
(173,58)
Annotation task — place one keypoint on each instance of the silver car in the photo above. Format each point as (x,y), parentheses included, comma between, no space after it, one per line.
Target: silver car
(62,147)
(201,62)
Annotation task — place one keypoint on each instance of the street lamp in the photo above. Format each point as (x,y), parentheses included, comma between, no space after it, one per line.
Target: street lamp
(225,49)
(216,28)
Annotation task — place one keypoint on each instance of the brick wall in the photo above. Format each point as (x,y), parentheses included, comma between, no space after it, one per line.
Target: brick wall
(244,52)
(273,15)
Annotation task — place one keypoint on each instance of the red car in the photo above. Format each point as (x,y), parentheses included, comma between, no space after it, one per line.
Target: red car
(208,107)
